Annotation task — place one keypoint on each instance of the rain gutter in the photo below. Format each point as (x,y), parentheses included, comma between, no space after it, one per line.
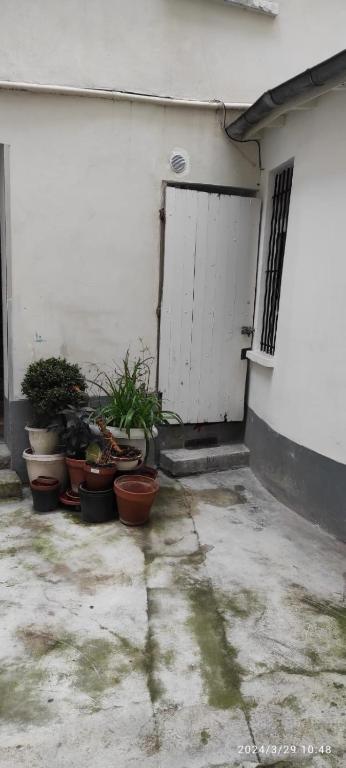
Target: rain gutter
(310,84)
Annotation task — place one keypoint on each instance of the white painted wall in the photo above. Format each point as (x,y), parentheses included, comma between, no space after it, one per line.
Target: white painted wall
(303,397)
(85,192)
(197,48)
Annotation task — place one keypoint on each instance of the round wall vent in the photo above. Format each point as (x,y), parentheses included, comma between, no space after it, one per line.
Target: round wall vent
(179,161)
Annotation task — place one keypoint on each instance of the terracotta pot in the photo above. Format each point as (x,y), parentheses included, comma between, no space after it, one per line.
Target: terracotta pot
(135,497)
(97,506)
(99,478)
(76,472)
(45,482)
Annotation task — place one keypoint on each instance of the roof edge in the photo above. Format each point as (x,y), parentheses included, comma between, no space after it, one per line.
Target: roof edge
(299,89)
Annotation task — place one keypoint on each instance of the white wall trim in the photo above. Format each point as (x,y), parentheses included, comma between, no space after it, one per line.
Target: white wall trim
(261,6)
(261,358)
(103,93)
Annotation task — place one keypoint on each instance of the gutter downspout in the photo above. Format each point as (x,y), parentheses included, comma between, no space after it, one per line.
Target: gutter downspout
(104,93)
(291,94)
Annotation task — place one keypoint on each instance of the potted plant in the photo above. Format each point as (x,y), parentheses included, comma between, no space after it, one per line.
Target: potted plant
(75,436)
(102,459)
(51,385)
(133,410)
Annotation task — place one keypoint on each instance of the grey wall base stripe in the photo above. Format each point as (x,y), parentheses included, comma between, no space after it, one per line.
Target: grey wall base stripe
(17,415)
(309,483)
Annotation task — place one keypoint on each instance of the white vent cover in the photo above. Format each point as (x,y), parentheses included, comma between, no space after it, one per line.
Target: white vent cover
(179,161)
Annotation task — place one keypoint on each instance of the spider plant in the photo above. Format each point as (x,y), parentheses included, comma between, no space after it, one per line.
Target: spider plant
(131,403)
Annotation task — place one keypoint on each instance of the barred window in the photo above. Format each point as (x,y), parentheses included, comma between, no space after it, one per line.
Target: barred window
(276,252)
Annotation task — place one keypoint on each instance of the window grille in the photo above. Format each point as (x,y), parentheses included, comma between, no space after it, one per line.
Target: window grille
(276,252)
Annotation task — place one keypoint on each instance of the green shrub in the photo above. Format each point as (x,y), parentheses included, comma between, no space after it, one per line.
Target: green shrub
(51,386)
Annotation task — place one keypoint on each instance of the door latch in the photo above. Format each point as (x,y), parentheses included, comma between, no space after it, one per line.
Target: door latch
(247,330)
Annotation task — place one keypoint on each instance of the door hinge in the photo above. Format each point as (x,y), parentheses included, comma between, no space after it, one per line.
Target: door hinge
(243,353)
(158,312)
(162,214)
(247,330)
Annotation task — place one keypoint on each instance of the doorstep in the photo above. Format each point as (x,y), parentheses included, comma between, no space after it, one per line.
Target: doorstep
(183,461)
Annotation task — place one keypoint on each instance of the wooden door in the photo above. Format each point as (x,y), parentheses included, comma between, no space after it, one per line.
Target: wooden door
(208,296)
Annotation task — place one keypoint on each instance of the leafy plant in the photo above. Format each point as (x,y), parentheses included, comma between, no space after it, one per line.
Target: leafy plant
(131,404)
(52,385)
(103,450)
(94,454)
(76,433)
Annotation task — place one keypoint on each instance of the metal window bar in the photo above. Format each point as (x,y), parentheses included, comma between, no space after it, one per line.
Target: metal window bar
(276,252)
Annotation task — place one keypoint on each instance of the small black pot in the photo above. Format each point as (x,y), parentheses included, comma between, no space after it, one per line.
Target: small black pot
(45,497)
(97,506)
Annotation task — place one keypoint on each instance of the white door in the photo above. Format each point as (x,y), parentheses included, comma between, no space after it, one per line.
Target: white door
(208,296)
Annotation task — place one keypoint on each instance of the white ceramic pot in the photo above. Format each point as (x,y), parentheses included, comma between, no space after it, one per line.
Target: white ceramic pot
(126,465)
(43,441)
(52,465)
(137,437)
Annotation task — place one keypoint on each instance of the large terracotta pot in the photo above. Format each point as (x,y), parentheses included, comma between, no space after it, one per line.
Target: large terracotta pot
(135,497)
(99,478)
(76,472)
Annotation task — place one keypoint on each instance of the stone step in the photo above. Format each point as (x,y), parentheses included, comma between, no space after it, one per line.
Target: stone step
(5,456)
(10,485)
(181,462)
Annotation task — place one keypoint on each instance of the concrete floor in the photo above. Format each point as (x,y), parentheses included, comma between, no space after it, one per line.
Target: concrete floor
(215,632)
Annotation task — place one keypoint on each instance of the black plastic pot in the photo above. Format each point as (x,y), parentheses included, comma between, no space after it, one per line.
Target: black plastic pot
(97,506)
(45,494)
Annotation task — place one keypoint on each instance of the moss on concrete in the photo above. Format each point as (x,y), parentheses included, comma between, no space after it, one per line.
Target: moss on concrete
(96,664)
(20,699)
(170,504)
(334,611)
(242,603)
(292,702)
(98,667)
(313,656)
(155,686)
(43,546)
(220,669)
(74,517)
(168,657)
(218,659)
(205,736)
(152,655)
(174,503)
(8,552)
(38,641)
(296,670)
(218,497)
